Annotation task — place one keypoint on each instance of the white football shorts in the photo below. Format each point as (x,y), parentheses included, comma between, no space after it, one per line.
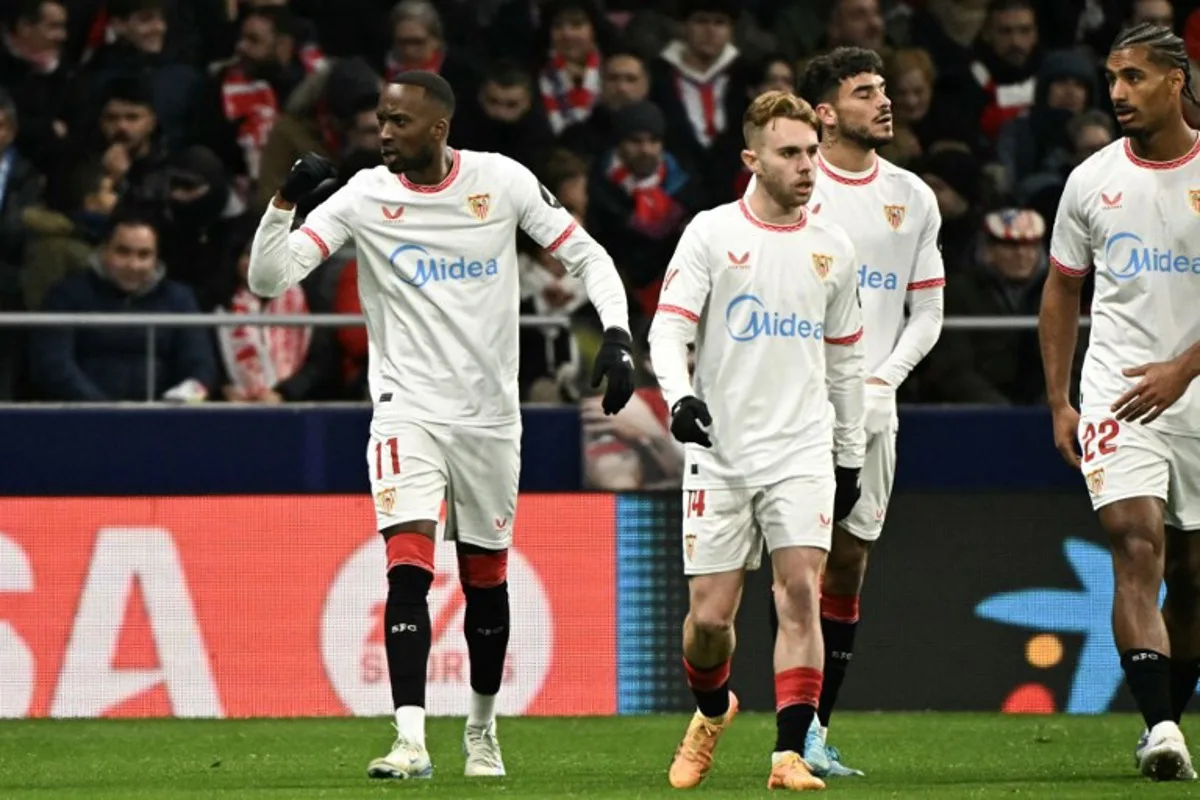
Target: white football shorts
(725,529)
(414,466)
(1121,460)
(878,475)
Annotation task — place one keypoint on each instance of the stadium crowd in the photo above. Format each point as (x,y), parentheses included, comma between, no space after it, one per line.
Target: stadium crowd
(140,141)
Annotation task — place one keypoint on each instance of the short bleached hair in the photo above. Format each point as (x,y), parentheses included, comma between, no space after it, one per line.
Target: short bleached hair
(775,105)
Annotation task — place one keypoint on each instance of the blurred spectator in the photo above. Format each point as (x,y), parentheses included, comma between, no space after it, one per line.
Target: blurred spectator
(639,200)
(245,94)
(106,364)
(1087,133)
(954,175)
(856,23)
(990,366)
(419,42)
(1154,12)
(1037,141)
(20,188)
(701,84)
(502,118)
(62,234)
(548,361)
(331,113)
(1007,58)
(570,82)
(911,78)
(32,71)
(624,81)
(139,28)
(632,450)
(203,227)
(130,147)
(264,364)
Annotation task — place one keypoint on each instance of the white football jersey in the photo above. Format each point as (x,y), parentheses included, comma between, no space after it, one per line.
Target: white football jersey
(1137,224)
(439,280)
(767,300)
(893,218)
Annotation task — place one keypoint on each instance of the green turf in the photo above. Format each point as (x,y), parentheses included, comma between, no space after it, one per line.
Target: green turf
(905,755)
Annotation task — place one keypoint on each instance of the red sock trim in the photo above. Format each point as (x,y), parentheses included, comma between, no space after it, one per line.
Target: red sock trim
(840,607)
(414,549)
(707,680)
(798,686)
(483,570)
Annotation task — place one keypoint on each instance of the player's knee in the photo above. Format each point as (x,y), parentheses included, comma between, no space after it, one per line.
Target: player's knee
(1137,549)
(798,600)
(847,565)
(712,621)
(482,569)
(408,548)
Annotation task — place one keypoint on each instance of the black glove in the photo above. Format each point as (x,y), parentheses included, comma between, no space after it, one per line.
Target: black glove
(686,418)
(614,362)
(847,493)
(309,172)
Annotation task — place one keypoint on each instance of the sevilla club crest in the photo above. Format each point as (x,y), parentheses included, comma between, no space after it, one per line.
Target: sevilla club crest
(822,264)
(895,216)
(1194,200)
(479,205)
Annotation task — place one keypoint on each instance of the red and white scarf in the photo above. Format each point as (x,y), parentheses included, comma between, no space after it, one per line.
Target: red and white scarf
(393,66)
(257,357)
(569,99)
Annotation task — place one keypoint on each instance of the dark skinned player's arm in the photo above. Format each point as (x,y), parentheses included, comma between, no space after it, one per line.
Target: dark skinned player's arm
(1058,331)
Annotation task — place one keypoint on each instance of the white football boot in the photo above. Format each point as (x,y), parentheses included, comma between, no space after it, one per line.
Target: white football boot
(1164,756)
(482,749)
(406,760)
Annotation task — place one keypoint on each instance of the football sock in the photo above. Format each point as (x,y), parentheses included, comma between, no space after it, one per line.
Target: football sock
(796,693)
(482,711)
(1184,676)
(710,686)
(1148,674)
(407,632)
(486,625)
(839,621)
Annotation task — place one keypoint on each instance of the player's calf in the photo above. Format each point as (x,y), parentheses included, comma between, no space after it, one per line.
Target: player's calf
(486,625)
(1181,613)
(1137,544)
(407,637)
(798,649)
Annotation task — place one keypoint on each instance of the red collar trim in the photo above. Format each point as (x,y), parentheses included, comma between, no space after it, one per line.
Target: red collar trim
(446,181)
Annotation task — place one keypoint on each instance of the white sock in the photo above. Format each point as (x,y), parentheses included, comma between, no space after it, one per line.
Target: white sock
(824,734)
(410,724)
(483,710)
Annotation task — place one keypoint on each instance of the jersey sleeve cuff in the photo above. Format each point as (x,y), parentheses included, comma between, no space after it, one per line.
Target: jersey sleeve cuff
(316,239)
(931,283)
(1075,272)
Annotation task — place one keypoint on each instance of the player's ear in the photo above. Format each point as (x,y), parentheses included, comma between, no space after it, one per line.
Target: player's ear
(750,159)
(826,115)
(441,129)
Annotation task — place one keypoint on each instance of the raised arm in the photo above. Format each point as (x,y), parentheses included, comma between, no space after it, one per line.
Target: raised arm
(280,257)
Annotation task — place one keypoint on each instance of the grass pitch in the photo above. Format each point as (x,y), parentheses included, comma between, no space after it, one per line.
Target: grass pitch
(904,755)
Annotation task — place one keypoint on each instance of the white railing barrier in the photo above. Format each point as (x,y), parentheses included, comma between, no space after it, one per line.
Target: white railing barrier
(151,322)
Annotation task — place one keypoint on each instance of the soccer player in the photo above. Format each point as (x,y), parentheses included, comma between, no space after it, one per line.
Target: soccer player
(434,230)
(895,222)
(768,294)
(1131,215)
